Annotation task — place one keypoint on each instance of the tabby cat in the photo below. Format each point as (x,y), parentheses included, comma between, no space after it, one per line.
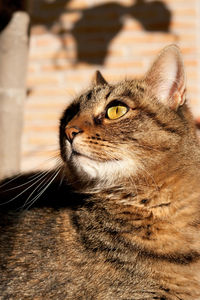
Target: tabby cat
(120,218)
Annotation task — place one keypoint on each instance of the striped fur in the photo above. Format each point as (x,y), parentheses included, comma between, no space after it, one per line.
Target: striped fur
(121,218)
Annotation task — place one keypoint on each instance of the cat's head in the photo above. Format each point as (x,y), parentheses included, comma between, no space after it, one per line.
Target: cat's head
(115,131)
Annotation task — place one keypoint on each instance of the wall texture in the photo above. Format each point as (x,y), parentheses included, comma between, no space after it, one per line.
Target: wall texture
(71,39)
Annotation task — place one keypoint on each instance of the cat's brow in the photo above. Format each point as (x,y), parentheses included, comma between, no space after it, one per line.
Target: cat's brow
(127,93)
(89,95)
(108,95)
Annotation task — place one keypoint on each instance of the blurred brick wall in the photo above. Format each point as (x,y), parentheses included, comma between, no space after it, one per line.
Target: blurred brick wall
(71,39)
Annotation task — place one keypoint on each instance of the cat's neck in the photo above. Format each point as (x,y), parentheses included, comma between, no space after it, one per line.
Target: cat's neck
(171,186)
(156,213)
(162,189)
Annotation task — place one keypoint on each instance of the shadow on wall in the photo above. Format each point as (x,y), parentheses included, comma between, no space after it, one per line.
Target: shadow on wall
(47,12)
(99,24)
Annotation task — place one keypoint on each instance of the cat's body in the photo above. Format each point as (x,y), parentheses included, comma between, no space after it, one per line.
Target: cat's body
(121,219)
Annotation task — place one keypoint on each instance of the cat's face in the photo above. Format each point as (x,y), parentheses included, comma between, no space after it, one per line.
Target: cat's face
(101,122)
(113,132)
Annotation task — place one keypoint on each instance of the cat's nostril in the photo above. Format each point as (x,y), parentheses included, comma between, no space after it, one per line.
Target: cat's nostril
(71,132)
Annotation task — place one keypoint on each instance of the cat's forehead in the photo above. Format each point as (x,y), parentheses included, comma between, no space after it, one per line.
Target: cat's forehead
(98,96)
(94,96)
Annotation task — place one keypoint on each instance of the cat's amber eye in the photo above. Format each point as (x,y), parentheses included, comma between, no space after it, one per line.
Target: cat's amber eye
(116,112)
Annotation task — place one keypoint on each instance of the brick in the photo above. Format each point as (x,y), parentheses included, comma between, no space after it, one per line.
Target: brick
(37,128)
(47,54)
(48,41)
(44,79)
(51,92)
(57,67)
(38,30)
(147,38)
(70,17)
(124,64)
(188,25)
(77,4)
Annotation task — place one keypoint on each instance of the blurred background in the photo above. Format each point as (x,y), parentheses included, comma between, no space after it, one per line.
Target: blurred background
(64,42)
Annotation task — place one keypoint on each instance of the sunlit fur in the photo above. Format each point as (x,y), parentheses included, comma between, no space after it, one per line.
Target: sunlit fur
(106,171)
(132,145)
(119,218)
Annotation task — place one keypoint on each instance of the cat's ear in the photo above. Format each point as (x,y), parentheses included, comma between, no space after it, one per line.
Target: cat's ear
(166,78)
(98,78)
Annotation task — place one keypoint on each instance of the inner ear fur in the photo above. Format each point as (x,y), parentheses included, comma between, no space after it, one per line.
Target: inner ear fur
(166,77)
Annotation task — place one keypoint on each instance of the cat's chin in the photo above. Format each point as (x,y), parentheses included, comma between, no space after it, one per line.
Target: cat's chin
(105,171)
(86,168)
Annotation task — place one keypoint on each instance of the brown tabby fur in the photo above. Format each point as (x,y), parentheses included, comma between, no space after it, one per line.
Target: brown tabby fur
(111,232)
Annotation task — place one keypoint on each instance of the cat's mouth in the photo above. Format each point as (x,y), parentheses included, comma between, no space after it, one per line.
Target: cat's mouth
(85,165)
(78,154)
(74,155)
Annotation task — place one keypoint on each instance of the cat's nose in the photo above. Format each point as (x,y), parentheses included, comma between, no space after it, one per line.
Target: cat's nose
(71,132)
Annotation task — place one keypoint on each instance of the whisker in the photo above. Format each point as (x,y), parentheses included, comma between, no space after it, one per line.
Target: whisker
(34,177)
(62,178)
(7,182)
(150,175)
(34,199)
(38,179)
(53,157)
(40,184)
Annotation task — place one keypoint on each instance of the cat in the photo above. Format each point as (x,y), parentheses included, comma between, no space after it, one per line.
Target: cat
(120,217)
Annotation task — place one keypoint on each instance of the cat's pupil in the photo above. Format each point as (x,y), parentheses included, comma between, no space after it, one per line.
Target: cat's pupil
(115,112)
